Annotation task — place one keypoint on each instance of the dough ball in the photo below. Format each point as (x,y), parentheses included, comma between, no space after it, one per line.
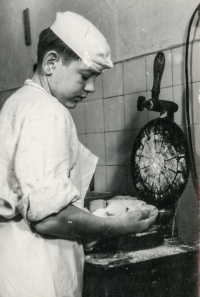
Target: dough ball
(133,208)
(96,204)
(101,213)
(148,206)
(135,205)
(116,208)
(119,205)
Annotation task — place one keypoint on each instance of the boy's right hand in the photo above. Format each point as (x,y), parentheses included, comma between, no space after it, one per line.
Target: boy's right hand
(135,221)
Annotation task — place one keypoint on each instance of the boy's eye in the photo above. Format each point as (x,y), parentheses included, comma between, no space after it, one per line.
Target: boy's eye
(84,77)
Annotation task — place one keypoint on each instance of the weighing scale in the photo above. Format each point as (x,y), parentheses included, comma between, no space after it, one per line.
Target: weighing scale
(159,167)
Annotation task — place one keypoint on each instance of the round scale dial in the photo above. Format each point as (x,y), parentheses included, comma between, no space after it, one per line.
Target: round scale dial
(160,162)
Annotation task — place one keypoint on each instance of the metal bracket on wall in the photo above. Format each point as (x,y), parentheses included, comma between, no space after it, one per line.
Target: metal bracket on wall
(27,29)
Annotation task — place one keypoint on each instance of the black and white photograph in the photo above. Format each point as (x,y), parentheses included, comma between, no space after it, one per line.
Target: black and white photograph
(99,148)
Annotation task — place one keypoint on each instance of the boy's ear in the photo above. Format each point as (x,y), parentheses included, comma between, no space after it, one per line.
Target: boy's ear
(49,62)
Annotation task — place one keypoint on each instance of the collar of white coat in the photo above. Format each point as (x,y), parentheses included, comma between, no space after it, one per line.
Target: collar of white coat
(29,82)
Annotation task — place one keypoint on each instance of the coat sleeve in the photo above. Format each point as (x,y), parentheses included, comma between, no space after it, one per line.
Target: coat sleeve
(42,166)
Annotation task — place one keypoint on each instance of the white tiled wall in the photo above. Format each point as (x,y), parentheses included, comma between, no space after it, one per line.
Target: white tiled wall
(115,148)
(135,76)
(112,121)
(96,143)
(114,114)
(113,81)
(117,179)
(94,116)
(100,179)
(178,65)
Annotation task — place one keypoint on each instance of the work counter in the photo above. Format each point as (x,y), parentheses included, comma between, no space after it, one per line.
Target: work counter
(169,270)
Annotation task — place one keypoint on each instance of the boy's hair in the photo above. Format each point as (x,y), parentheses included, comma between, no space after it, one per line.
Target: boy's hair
(48,40)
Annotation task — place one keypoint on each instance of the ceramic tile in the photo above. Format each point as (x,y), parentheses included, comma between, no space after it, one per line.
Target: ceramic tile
(117,179)
(78,115)
(82,139)
(113,81)
(134,119)
(195,131)
(195,59)
(166,80)
(178,62)
(130,139)
(96,143)
(115,148)
(100,181)
(178,65)
(114,113)
(194,100)
(134,76)
(98,94)
(94,116)
(179,98)
(165,94)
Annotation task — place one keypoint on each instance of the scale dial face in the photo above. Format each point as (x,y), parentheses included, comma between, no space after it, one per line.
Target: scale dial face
(160,162)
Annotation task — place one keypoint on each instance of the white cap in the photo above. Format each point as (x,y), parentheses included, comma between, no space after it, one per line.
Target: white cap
(84,39)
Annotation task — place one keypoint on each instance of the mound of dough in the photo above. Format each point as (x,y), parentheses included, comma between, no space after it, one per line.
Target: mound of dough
(101,213)
(97,204)
(118,205)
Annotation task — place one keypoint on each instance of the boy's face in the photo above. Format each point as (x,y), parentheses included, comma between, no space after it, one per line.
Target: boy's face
(70,83)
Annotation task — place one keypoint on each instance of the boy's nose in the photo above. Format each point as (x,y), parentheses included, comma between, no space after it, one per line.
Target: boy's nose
(90,85)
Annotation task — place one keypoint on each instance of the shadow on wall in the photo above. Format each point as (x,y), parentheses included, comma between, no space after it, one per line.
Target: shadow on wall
(5,95)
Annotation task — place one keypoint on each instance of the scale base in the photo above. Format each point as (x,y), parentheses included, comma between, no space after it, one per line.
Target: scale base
(133,242)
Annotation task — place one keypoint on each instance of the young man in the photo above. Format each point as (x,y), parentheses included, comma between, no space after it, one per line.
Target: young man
(45,171)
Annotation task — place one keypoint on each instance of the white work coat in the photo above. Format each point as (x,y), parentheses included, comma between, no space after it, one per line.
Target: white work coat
(43,168)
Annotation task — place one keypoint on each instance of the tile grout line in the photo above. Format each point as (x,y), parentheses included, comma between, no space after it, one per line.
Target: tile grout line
(154,52)
(125,136)
(172,75)
(162,88)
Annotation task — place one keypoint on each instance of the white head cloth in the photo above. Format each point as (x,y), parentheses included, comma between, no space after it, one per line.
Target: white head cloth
(84,39)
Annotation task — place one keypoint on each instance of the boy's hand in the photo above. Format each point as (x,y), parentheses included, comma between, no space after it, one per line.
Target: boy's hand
(136,221)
